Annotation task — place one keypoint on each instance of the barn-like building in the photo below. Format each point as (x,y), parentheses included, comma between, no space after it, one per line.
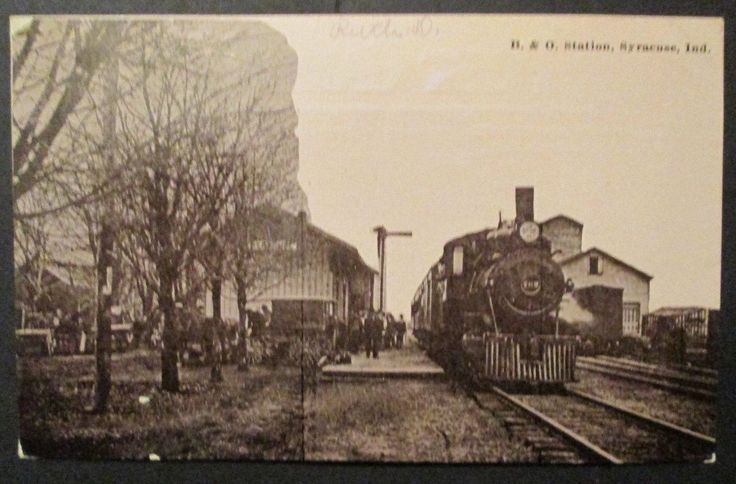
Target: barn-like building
(617,283)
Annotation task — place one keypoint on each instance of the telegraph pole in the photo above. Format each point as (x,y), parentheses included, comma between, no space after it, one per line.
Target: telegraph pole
(382,234)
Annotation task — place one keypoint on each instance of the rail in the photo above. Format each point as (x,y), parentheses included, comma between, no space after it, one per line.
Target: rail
(576,439)
(586,422)
(694,386)
(676,429)
(692,370)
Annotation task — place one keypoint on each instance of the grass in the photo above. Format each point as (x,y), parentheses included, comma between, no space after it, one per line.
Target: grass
(253,415)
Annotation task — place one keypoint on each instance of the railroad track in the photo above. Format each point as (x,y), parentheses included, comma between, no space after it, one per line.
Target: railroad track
(689,370)
(697,370)
(701,385)
(548,445)
(597,431)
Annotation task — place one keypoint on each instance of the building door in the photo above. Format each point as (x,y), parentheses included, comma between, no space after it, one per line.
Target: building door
(632,314)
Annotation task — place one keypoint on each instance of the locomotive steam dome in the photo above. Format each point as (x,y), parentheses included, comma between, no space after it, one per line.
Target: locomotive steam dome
(525,283)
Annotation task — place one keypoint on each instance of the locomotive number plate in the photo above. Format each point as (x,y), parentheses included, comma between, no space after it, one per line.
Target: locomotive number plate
(531,286)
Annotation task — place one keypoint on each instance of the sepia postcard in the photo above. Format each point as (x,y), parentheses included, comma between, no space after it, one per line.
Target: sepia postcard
(423,238)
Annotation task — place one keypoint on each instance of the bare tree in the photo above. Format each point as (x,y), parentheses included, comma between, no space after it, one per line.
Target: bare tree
(31,259)
(246,242)
(264,239)
(187,119)
(53,67)
(184,137)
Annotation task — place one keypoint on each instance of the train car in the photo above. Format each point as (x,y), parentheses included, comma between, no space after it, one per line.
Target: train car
(489,307)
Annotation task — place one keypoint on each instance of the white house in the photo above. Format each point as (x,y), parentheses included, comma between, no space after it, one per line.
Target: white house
(595,267)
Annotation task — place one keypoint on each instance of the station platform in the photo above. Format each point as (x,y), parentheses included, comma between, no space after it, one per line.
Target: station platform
(408,362)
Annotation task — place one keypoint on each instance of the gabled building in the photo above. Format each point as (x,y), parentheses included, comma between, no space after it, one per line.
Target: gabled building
(595,267)
(325,277)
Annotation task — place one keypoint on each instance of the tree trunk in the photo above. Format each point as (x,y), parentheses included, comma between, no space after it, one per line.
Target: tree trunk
(242,300)
(169,352)
(218,343)
(104,331)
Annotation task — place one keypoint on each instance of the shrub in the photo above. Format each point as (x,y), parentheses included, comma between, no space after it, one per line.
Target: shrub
(305,352)
(260,350)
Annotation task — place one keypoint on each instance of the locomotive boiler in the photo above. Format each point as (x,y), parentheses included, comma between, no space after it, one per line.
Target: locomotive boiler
(490,305)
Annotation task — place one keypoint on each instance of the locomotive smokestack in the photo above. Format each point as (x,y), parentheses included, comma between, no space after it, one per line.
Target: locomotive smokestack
(524,203)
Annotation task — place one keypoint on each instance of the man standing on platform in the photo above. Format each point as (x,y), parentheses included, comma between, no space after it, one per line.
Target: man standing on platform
(368,333)
(374,332)
(390,331)
(354,330)
(330,331)
(378,332)
(400,331)
(342,335)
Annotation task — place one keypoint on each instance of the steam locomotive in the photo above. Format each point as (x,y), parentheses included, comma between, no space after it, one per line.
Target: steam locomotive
(490,306)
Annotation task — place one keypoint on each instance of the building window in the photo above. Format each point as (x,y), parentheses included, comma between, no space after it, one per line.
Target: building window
(631,318)
(596,265)
(457,260)
(346,300)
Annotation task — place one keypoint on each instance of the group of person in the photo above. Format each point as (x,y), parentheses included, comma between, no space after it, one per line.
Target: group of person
(70,330)
(382,331)
(371,330)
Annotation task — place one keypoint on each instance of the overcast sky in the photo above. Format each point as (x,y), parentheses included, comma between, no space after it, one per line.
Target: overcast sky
(429,129)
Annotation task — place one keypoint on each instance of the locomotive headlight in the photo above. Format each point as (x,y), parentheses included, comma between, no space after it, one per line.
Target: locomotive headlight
(529,232)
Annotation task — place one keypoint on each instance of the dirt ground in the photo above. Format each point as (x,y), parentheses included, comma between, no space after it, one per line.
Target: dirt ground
(404,421)
(689,412)
(257,415)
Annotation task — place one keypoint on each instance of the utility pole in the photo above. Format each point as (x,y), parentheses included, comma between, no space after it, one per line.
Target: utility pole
(382,233)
